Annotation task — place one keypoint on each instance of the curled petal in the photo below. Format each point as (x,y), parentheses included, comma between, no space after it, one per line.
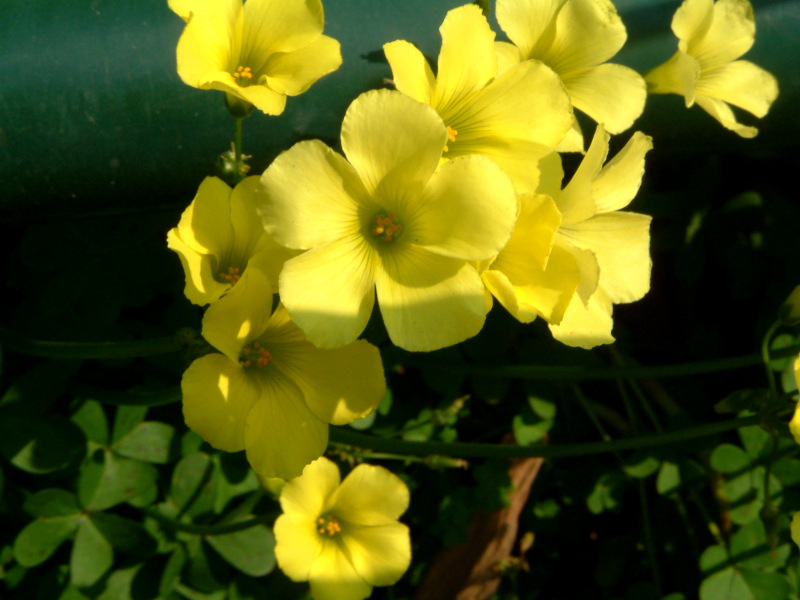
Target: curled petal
(723,113)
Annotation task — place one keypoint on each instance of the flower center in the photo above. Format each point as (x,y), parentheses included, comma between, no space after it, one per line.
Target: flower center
(232,276)
(386,227)
(451,136)
(243,75)
(253,355)
(328,525)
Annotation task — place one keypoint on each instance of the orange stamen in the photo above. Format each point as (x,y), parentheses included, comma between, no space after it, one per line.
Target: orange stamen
(451,135)
(386,227)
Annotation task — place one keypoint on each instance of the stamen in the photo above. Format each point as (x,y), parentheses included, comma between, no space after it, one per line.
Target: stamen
(328,525)
(254,356)
(243,75)
(232,276)
(385,227)
(451,135)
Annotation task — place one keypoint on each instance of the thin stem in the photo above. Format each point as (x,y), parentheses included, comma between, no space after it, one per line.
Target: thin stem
(765,358)
(475,450)
(648,537)
(593,418)
(169,396)
(88,350)
(207,529)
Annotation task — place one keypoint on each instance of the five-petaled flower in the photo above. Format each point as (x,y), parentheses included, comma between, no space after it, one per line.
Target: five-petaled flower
(389,222)
(514,118)
(575,38)
(704,70)
(271,392)
(343,538)
(219,237)
(258,52)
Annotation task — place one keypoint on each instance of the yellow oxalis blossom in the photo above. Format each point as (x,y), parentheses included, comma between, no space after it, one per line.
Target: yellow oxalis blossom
(271,392)
(219,236)
(386,220)
(258,52)
(704,70)
(343,538)
(795,528)
(794,424)
(514,118)
(575,38)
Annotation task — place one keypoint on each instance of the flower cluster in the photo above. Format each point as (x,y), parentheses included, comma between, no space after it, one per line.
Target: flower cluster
(449,192)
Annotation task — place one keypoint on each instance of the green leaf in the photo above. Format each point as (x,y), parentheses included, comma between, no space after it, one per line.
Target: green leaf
(749,548)
(172,571)
(767,586)
(204,570)
(386,403)
(641,464)
(606,493)
(779,342)
(123,534)
(119,584)
(91,557)
(151,441)
(251,550)
(41,444)
(190,474)
(726,585)
(190,443)
(109,480)
(668,480)
(756,441)
(544,408)
(127,417)
(39,539)
(728,458)
(91,418)
(713,558)
(530,426)
(364,422)
(52,503)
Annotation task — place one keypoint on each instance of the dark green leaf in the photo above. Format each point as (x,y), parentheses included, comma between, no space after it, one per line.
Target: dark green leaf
(123,534)
(606,493)
(172,571)
(33,393)
(767,586)
(669,478)
(251,550)
(728,458)
(91,418)
(126,419)
(39,539)
(120,480)
(119,583)
(190,474)
(151,441)
(756,441)
(725,585)
(41,444)
(91,557)
(52,503)
(641,464)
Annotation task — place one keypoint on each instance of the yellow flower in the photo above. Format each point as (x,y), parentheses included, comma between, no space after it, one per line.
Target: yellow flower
(795,528)
(514,118)
(387,221)
(258,52)
(343,539)
(271,392)
(610,248)
(575,38)
(704,70)
(219,236)
(794,424)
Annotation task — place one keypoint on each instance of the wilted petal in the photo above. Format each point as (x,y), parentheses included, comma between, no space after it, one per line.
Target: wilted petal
(328,291)
(217,398)
(429,301)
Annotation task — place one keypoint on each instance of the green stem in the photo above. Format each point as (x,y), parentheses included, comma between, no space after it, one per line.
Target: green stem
(169,396)
(87,350)
(475,450)
(648,538)
(765,358)
(207,529)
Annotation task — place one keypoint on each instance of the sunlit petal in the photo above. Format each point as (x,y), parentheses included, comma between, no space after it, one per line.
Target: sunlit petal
(586,325)
(333,577)
(620,179)
(411,73)
(371,496)
(380,554)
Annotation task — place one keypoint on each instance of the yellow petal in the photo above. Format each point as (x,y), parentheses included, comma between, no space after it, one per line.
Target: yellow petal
(278,26)
(209,40)
(292,73)
(182,8)
(262,97)
(619,180)
(297,543)
(217,398)
(467,60)
(388,136)
(795,528)
(380,554)
(723,113)
(621,243)
(246,226)
(679,75)
(586,262)
(588,32)
(527,102)
(530,24)
(333,577)
(328,291)
(508,55)
(551,173)
(529,247)
(371,495)
(546,294)
(742,84)
(467,210)
(199,268)
(730,33)
(575,202)
(586,325)
(269,258)
(429,301)
(205,224)
(339,385)
(240,316)
(573,141)
(411,73)
(323,209)
(610,94)
(692,20)
(311,494)
(281,434)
